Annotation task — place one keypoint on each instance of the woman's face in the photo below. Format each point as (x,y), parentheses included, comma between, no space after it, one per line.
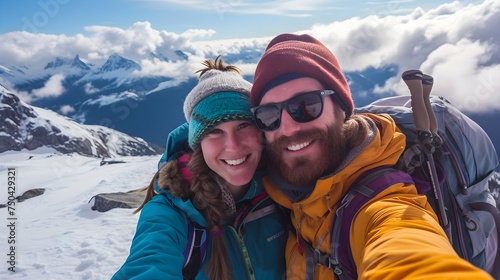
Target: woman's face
(233,150)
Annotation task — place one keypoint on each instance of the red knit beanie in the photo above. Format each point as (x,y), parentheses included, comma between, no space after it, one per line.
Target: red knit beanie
(303,55)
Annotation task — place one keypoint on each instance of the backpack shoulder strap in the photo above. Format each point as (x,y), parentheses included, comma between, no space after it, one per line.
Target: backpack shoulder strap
(195,251)
(245,215)
(362,190)
(196,245)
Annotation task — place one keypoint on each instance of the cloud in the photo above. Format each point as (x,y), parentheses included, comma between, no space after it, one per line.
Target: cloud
(456,44)
(90,89)
(136,42)
(463,76)
(140,39)
(67,109)
(201,51)
(52,88)
(104,100)
(157,67)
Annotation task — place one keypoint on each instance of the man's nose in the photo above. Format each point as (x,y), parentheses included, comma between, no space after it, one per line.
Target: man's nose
(288,125)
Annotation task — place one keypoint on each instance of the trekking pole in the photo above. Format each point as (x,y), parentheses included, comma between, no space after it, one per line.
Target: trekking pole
(427,83)
(413,79)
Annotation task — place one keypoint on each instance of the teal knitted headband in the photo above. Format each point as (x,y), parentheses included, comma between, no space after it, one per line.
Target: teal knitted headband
(221,95)
(215,109)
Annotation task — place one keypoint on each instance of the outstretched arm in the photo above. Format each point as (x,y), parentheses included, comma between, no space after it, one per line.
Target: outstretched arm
(398,236)
(157,248)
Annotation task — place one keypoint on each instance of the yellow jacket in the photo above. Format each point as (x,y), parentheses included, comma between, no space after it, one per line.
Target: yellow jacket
(396,235)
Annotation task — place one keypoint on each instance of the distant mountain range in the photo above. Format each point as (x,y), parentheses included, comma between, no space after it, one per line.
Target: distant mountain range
(112,95)
(29,127)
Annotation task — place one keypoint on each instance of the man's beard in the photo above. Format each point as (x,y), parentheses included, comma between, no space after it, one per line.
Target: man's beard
(305,170)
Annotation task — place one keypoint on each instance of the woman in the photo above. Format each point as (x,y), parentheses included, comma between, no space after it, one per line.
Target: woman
(214,182)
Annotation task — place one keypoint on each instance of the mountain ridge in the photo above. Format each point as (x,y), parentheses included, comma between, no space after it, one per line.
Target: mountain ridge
(29,127)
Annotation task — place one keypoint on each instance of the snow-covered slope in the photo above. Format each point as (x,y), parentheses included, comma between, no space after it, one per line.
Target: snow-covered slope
(57,234)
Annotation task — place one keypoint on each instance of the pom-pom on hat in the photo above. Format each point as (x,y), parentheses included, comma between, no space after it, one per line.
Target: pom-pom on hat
(221,95)
(302,56)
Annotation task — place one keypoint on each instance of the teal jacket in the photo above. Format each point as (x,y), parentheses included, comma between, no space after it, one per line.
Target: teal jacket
(256,247)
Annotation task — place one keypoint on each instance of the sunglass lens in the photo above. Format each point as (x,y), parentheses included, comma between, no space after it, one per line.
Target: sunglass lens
(268,117)
(305,108)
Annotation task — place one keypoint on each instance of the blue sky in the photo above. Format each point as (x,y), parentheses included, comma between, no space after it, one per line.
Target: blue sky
(228,18)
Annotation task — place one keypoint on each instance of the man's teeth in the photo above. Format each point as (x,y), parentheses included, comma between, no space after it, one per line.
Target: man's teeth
(298,146)
(235,161)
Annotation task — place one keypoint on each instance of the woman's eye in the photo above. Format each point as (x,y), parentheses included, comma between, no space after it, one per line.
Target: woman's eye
(215,131)
(243,125)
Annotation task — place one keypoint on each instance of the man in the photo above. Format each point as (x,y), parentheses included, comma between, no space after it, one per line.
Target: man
(317,148)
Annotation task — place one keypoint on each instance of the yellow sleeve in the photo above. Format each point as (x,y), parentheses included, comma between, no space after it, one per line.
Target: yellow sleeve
(397,236)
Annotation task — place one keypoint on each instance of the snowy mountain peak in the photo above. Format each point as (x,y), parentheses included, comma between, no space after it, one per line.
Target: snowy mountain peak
(77,63)
(116,62)
(71,67)
(159,56)
(29,127)
(181,54)
(58,62)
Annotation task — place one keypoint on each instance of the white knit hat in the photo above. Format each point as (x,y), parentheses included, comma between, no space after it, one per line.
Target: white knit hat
(214,81)
(218,97)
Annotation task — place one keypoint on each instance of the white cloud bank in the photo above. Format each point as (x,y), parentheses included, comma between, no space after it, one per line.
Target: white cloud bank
(52,88)
(458,45)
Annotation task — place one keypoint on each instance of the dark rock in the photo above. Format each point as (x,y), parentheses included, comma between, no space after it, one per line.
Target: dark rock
(106,201)
(104,161)
(29,194)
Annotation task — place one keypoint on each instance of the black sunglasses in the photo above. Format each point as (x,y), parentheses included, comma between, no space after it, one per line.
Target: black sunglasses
(303,108)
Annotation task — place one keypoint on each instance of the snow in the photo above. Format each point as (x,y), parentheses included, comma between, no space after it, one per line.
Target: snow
(57,235)
(48,119)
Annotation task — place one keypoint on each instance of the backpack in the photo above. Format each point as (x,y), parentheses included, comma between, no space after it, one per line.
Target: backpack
(464,163)
(195,251)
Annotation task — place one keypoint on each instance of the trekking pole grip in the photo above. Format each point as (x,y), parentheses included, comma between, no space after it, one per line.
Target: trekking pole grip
(427,83)
(413,79)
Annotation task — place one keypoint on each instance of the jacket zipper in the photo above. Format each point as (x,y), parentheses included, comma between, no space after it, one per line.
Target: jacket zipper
(297,229)
(245,256)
